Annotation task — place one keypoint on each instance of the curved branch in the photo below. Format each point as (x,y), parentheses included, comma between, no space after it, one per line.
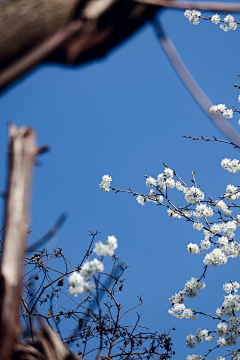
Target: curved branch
(195,90)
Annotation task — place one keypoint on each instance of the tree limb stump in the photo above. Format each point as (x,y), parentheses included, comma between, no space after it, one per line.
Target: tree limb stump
(22,152)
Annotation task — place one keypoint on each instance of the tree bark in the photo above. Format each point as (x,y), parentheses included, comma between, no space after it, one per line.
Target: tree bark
(64,31)
(25,23)
(22,151)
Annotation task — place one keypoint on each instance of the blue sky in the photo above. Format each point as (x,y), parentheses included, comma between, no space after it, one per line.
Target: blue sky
(124,116)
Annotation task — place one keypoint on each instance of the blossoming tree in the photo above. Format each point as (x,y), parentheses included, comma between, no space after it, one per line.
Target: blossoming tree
(218,220)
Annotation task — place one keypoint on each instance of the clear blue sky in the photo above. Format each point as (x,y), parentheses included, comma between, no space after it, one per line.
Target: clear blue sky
(124,116)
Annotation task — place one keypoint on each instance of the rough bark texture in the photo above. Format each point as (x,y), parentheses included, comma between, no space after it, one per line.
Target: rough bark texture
(25,24)
(22,151)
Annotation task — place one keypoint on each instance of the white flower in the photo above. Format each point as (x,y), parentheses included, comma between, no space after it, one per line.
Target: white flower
(187,13)
(140,199)
(205,244)
(225,163)
(105,183)
(232,192)
(179,186)
(160,178)
(76,284)
(215,258)
(194,357)
(192,16)
(228,114)
(197,226)
(221,342)
(229,19)
(160,199)
(223,241)
(209,338)
(196,13)
(216,228)
(215,19)
(224,27)
(216,109)
(192,286)
(232,26)
(174,214)
(222,329)
(228,287)
(151,181)
(89,287)
(194,20)
(236,355)
(219,312)
(203,211)
(106,249)
(191,341)
(229,228)
(222,205)
(112,242)
(168,172)
(194,249)
(232,166)
(236,286)
(170,183)
(177,299)
(193,195)
(90,267)
(200,335)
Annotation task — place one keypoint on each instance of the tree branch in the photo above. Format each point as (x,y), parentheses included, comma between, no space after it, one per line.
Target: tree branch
(199,5)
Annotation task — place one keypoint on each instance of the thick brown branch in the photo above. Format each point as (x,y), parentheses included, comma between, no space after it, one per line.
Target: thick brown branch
(199,5)
(22,151)
(45,32)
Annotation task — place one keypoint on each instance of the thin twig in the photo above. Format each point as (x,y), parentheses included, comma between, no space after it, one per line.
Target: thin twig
(214,139)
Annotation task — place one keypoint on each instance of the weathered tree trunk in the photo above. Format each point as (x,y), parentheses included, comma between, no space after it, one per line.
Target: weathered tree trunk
(22,151)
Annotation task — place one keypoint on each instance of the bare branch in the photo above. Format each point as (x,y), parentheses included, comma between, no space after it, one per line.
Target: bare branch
(199,5)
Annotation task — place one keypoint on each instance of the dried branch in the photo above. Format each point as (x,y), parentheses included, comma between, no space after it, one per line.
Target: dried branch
(22,151)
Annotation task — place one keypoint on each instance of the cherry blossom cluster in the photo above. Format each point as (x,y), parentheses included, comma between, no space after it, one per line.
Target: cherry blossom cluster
(221,109)
(105,183)
(215,219)
(79,280)
(232,166)
(227,23)
(228,114)
(179,310)
(228,331)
